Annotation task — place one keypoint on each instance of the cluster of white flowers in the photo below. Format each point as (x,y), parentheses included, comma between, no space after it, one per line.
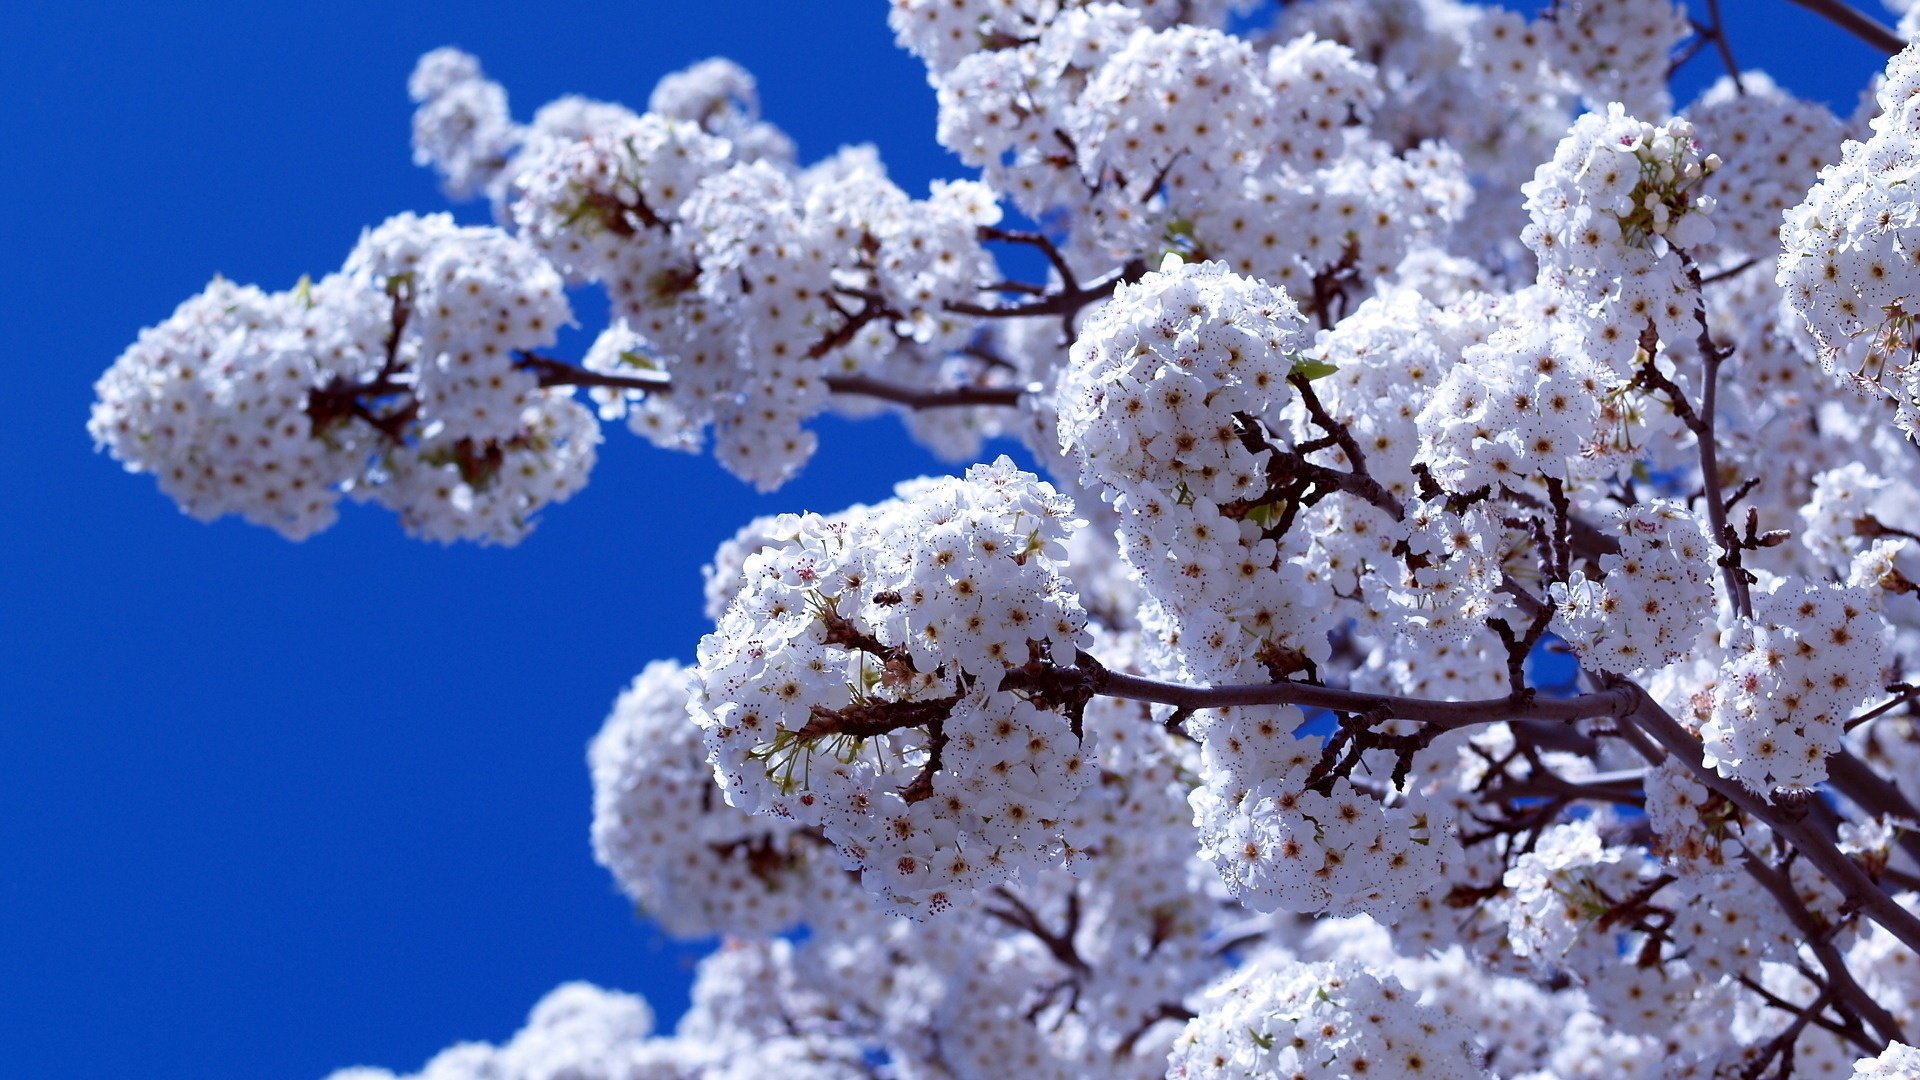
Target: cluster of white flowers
(1148,406)
(692,863)
(1793,676)
(478,297)
(750,1019)
(745,281)
(1572,907)
(1172,406)
(1354,219)
(1323,1021)
(1771,145)
(1618,50)
(724,99)
(1541,366)
(214,401)
(462,127)
(854,684)
(1136,129)
(1184,104)
(1847,264)
(1897,1062)
(1474,77)
(396,379)
(1613,214)
(1838,521)
(1447,582)
(1523,406)
(1654,600)
(1280,842)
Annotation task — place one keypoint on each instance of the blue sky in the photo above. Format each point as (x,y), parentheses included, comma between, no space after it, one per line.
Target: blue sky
(267,809)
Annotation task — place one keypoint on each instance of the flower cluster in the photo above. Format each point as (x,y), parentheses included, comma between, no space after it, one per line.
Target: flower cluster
(1793,676)
(1772,145)
(461,127)
(1173,405)
(1566,911)
(1654,600)
(1897,1061)
(855,684)
(1133,128)
(1184,107)
(1613,216)
(398,379)
(1518,408)
(724,99)
(1618,50)
(692,863)
(213,401)
(744,281)
(1848,268)
(1323,1021)
(1282,839)
(1347,223)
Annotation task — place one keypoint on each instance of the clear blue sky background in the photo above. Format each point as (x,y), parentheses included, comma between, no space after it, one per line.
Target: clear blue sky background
(267,809)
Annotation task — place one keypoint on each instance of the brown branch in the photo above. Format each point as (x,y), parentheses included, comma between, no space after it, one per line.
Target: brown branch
(921,787)
(1855,22)
(1658,728)
(852,324)
(1776,1001)
(875,718)
(1585,539)
(342,398)
(552,372)
(1902,695)
(1094,678)
(1734,575)
(1718,33)
(1292,479)
(1065,303)
(1059,944)
(924,398)
(1166,1010)
(1846,993)
(1046,247)
(1730,272)
(1360,481)
(1781,1045)
(1621,789)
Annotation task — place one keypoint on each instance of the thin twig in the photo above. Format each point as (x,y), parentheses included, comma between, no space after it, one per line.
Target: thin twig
(1719,35)
(914,397)
(1855,22)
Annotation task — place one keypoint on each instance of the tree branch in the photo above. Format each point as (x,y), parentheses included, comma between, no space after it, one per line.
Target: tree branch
(1094,678)
(1818,849)
(917,398)
(1066,303)
(1732,572)
(1046,247)
(552,372)
(1855,22)
(1718,33)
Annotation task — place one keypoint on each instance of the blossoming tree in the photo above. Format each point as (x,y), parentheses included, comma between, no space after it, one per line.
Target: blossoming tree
(1461,622)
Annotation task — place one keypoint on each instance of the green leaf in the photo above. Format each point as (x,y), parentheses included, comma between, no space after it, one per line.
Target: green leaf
(1313,369)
